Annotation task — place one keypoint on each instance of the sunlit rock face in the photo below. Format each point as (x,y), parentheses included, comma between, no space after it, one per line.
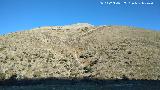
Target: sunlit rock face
(81,50)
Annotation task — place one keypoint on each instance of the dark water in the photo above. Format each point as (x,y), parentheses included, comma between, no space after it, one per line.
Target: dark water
(76,84)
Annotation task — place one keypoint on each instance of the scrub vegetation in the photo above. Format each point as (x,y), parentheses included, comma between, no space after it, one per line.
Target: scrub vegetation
(102,52)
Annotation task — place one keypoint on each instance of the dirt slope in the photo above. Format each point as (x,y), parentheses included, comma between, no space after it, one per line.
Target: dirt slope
(103,52)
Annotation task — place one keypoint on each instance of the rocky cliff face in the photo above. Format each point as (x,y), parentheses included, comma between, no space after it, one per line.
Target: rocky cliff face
(103,52)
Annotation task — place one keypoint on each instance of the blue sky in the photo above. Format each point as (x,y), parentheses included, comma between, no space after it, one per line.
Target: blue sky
(16,15)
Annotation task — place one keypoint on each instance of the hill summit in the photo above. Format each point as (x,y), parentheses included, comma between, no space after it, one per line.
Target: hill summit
(72,26)
(79,51)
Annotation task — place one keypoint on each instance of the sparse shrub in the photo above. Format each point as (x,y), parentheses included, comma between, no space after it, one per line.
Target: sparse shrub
(4,61)
(37,74)
(86,28)
(87,69)
(63,61)
(158,77)
(51,56)
(124,77)
(129,52)
(74,74)
(82,30)
(2,76)
(87,55)
(82,56)
(13,77)
(109,26)
(12,58)
(94,62)
(29,65)
(21,59)
(59,29)
(114,48)
(29,61)
(2,48)
(127,63)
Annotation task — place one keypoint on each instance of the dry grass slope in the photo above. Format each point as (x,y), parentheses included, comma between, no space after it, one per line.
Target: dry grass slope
(103,52)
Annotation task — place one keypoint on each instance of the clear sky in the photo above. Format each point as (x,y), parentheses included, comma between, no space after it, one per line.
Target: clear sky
(18,15)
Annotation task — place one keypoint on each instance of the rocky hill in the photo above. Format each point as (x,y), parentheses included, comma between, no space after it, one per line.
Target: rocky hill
(79,51)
